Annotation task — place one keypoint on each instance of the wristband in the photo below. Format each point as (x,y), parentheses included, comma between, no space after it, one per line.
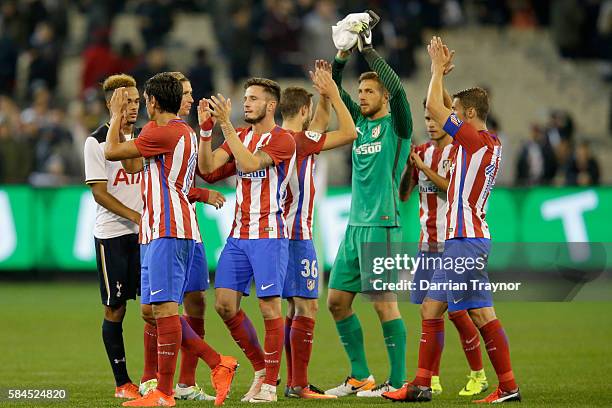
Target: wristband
(206,135)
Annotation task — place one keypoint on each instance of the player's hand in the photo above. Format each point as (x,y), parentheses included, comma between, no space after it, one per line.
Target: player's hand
(323,65)
(416,161)
(449,66)
(118,102)
(216,199)
(435,49)
(220,108)
(344,54)
(135,217)
(205,119)
(324,84)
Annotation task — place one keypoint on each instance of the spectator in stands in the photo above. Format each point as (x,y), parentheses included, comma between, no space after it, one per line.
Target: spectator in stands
(567,18)
(155,62)
(44,56)
(560,127)
(583,168)
(536,162)
(127,58)
(8,62)
(315,41)
(99,60)
(155,21)
(201,76)
(239,43)
(15,151)
(280,33)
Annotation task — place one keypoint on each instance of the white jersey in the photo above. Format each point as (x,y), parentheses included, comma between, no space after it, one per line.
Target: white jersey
(121,185)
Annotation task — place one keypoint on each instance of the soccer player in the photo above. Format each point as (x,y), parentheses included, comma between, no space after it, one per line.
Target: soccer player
(119,203)
(473,171)
(302,281)
(168,230)
(379,156)
(257,248)
(429,169)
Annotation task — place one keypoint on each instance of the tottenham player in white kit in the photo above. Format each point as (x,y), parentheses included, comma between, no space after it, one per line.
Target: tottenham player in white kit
(117,194)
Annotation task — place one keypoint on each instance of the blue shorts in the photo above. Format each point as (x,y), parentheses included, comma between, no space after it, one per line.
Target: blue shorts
(261,260)
(423,274)
(164,268)
(302,278)
(197,278)
(462,291)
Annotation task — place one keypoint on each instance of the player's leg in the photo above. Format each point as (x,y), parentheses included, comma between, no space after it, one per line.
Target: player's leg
(288,354)
(385,305)
(496,343)
(344,284)
(431,344)
(269,258)
(470,341)
(232,280)
(113,274)
(167,261)
(479,303)
(148,381)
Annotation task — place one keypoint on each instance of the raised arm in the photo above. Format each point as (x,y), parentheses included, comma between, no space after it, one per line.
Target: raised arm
(115,149)
(346,133)
(400,108)
(438,180)
(320,119)
(337,68)
(220,108)
(436,94)
(208,160)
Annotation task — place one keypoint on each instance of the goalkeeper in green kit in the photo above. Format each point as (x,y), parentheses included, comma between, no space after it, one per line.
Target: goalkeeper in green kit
(384,129)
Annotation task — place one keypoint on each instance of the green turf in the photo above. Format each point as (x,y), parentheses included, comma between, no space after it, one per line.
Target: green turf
(50,338)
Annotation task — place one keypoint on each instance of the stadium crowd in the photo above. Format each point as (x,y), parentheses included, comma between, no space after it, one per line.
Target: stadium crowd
(43,135)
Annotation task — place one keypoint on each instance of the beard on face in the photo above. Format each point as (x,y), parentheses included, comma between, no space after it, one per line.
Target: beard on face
(258,116)
(371,110)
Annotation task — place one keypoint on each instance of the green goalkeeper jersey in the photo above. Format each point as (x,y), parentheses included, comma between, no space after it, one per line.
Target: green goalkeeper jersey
(380,151)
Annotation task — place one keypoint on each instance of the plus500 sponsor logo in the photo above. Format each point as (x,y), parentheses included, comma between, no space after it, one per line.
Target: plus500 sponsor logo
(369,148)
(259,174)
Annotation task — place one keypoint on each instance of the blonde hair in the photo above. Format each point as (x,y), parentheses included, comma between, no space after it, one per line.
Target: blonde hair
(116,81)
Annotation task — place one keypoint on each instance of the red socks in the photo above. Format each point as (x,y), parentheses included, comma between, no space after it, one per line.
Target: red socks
(288,323)
(189,361)
(150,353)
(245,336)
(168,344)
(496,344)
(273,349)
(302,331)
(430,349)
(470,339)
(195,345)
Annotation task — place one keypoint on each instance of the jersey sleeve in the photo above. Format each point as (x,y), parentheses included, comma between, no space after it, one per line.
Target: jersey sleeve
(352,106)
(280,147)
(95,163)
(309,142)
(155,140)
(464,134)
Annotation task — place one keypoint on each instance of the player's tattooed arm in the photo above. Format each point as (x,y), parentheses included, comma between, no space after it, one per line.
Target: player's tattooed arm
(221,109)
(327,88)
(108,201)
(208,160)
(440,182)
(440,58)
(114,149)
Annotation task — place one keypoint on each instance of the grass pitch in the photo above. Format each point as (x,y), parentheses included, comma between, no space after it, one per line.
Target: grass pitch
(50,337)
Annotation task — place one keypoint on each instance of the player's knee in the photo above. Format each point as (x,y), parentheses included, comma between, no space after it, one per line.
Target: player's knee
(307,308)
(338,309)
(146,312)
(432,310)
(387,310)
(114,313)
(270,308)
(482,316)
(225,310)
(193,304)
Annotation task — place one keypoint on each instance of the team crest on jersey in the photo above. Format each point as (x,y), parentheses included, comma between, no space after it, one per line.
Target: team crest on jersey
(446,164)
(314,136)
(376,132)
(310,284)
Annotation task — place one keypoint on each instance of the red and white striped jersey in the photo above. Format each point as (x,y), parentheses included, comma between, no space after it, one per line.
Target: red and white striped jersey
(432,200)
(170,158)
(260,194)
(475,165)
(299,204)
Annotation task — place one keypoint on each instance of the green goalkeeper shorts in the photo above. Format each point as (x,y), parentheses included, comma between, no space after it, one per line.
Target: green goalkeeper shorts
(352,270)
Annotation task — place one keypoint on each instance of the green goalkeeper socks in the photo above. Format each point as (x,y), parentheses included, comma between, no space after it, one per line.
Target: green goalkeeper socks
(395,340)
(351,337)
